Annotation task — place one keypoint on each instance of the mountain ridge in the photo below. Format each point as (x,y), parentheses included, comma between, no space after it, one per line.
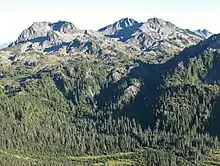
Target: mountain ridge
(154,38)
(63,37)
(153,34)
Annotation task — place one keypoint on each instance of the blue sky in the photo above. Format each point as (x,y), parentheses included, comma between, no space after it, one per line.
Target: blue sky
(17,15)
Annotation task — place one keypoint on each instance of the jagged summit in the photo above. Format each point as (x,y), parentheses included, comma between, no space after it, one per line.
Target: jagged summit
(153,35)
(158,22)
(115,28)
(123,23)
(42,29)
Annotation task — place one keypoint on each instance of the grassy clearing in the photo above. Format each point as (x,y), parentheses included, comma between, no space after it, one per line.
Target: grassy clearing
(136,157)
(117,159)
(109,160)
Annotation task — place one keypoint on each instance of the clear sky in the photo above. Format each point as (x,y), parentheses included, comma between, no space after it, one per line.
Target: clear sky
(16,15)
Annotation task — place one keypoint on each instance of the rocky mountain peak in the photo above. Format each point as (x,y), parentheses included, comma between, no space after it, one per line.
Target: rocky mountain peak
(203,33)
(156,21)
(124,23)
(40,30)
(153,35)
(37,29)
(39,25)
(155,24)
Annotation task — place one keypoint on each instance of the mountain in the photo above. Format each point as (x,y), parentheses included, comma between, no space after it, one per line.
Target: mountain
(39,31)
(203,33)
(117,31)
(111,30)
(154,35)
(151,113)
(77,105)
(64,38)
(155,40)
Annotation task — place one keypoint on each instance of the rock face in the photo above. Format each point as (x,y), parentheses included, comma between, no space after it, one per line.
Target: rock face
(39,31)
(153,35)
